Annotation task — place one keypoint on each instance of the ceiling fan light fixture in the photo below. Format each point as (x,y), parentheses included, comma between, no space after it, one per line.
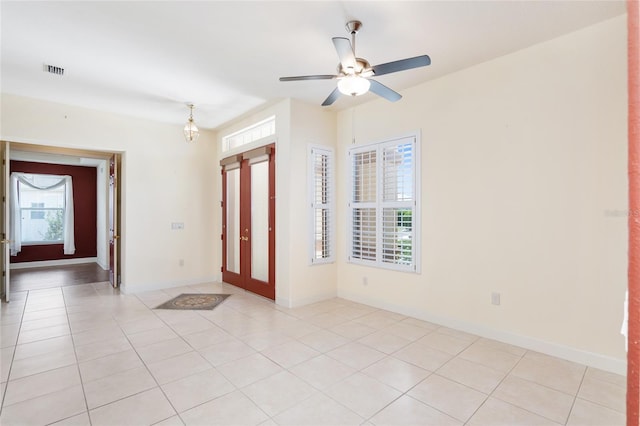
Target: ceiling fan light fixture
(353,85)
(191,132)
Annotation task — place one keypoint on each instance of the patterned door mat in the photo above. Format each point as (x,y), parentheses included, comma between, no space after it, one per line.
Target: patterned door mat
(194,301)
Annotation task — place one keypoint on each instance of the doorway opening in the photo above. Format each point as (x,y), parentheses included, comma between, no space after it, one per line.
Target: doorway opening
(96,207)
(248,220)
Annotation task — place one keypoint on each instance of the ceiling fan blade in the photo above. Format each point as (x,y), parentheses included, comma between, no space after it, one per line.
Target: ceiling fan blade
(382,90)
(345,52)
(332,97)
(401,65)
(308,77)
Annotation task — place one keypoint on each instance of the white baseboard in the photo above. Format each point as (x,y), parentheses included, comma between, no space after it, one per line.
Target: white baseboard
(59,262)
(305,301)
(141,288)
(603,362)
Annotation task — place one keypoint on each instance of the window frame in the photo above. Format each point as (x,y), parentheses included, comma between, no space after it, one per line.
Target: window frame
(30,210)
(313,152)
(379,204)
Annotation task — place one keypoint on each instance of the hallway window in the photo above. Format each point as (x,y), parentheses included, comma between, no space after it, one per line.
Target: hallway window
(321,191)
(383,205)
(41,211)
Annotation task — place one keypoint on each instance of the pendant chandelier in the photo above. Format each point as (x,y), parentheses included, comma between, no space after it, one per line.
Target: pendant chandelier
(191,132)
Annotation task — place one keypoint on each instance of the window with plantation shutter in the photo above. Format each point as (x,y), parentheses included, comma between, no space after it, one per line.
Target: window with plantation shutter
(383,205)
(321,190)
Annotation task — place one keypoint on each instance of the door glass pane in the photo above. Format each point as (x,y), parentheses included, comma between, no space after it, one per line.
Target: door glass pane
(233,221)
(260,221)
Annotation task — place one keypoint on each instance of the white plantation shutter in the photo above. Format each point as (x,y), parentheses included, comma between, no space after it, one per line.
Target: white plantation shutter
(383,204)
(321,190)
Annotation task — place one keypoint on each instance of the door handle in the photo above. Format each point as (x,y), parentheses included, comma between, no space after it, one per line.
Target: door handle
(244,238)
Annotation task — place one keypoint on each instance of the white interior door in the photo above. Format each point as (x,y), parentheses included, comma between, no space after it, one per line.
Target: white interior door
(4,184)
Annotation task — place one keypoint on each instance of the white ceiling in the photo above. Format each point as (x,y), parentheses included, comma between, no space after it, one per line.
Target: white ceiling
(148,59)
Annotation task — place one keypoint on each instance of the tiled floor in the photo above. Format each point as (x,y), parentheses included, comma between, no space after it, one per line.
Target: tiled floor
(87,355)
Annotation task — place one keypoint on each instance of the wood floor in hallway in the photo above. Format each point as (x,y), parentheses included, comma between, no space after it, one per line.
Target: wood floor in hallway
(56,276)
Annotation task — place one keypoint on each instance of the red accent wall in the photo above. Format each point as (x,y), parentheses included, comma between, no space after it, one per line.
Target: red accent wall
(633,357)
(84,180)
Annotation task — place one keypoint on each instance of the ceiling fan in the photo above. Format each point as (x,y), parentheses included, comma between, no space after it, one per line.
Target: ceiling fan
(354,74)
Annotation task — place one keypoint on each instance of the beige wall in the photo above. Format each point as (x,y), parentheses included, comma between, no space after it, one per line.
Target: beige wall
(522,158)
(297,125)
(164,180)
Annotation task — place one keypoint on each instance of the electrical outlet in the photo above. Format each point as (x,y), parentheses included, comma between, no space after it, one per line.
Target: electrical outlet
(495,298)
(177,225)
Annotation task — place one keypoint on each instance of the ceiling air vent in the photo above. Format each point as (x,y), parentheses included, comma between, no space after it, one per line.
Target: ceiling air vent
(53,69)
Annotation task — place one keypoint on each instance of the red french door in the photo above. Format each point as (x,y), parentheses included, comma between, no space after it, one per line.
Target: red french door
(248,221)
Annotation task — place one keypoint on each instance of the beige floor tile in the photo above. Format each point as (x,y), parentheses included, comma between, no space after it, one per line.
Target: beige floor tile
(605,376)
(265,339)
(397,374)
(10,318)
(454,399)
(97,334)
(163,350)
(353,330)
(290,354)
(603,392)
(231,409)
(513,350)
(536,398)
(429,326)
(407,411)
(109,365)
(103,348)
(323,340)
(327,320)
(94,324)
(197,389)
(44,322)
(41,384)
(384,342)
(47,313)
(318,410)
(171,421)
(555,373)
(6,357)
(405,330)
(177,367)
(116,386)
(490,357)
(149,337)
(350,393)
(144,324)
(279,392)
(322,371)
(380,319)
(457,334)
(211,336)
(41,363)
(192,326)
(250,369)
(45,409)
(468,373)
(422,356)
(42,347)
(445,343)
(43,333)
(586,413)
(499,413)
(141,409)
(356,355)
(227,351)
(77,420)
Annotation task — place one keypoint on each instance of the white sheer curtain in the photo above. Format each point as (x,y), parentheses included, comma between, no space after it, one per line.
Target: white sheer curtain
(16,217)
